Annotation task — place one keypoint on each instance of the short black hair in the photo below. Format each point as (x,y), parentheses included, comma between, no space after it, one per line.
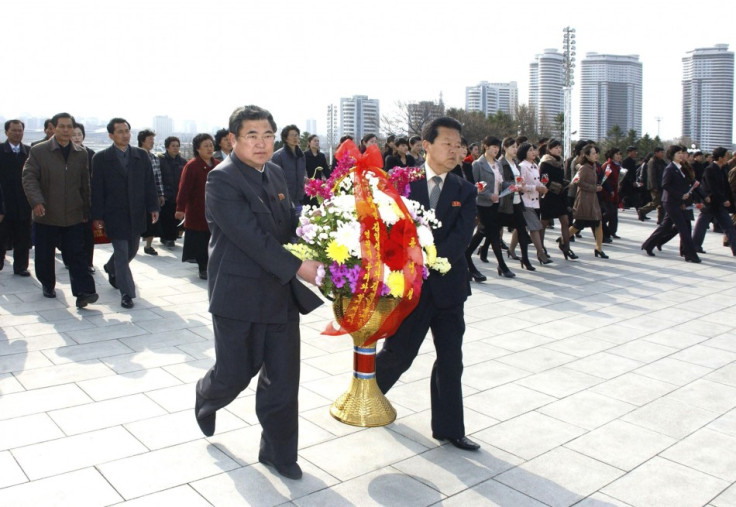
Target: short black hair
(170,140)
(473,145)
(143,134)
(431,131)
(80,126)
(367,138)
(414,140)
(285,131)
(658,149)
(698,153)
(391,139)
(582,143)
(400,141)
(521,140)
(553,143)
(10,122)
(523,151)
(675,148)
(345,138)
(309,139)
(631,148)
(719,152)
(55,119)
(611,152)
(246,113)
(219,136)
(198,140)
(46,123)
(111,124)
(489,141)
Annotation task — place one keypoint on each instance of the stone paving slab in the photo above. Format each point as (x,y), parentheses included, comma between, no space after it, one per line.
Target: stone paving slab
(593,383)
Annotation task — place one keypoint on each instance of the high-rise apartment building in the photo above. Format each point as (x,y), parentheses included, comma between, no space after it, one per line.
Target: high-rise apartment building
(492,97)
(421,113)
(707,96)
(311,126)
(610,94)
(545,87)
(163,125)
(359,115)
(333,126)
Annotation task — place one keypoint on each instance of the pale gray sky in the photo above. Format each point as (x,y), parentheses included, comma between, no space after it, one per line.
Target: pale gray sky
(199,60)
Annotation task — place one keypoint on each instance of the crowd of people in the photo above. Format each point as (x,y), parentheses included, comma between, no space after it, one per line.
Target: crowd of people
(524,189)
(236,203)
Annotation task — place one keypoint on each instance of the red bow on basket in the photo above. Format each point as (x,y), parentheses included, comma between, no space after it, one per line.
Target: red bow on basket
(399,249)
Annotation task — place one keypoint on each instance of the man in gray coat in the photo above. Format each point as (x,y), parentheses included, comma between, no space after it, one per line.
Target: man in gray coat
(255,298)
(123,191)
(56,183)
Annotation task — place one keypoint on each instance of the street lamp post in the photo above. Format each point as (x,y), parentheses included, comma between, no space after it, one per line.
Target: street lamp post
(568,66)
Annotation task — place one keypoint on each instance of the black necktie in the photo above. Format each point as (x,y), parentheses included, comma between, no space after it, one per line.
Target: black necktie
(264,189)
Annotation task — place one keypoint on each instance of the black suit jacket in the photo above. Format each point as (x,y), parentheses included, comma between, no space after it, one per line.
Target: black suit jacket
(251,276)
(11,181)
(456,210)
(122,198)
(715,186)
(674,184)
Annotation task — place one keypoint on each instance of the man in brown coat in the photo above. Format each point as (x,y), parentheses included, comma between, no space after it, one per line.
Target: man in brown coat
(56,183)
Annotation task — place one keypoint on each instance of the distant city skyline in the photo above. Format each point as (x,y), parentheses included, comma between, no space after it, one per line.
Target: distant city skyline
(296,58)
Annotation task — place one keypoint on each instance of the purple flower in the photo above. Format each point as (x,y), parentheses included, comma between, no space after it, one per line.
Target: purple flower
(354,275)
(338,273)
(425,272)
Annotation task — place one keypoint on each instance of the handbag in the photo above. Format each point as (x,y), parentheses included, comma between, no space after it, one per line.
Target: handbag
(555,187)
(99,236)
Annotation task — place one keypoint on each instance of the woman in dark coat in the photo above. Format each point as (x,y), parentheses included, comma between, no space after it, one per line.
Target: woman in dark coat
(587,210)
(554,204)
(190,202)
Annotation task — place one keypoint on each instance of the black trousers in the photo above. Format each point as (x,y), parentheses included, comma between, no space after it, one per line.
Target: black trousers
(675,218)
(610,218)
(169,230)
(242,349)
(16,235)
(398,352)
(71,241)
(489,228)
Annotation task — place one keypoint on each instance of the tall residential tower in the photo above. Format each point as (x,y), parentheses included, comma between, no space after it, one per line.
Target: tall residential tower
(359,115)
(610,95)
(707,97)
(545,87)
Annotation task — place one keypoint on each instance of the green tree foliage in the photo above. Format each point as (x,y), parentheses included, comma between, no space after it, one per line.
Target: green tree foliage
(475,124)
(526,121)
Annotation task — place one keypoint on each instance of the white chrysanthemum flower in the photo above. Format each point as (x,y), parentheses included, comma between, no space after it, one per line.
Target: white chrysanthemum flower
(348,234)
(425,236)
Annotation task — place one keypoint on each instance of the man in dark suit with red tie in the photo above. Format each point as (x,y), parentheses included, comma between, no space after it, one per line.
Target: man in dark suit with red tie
(441,305)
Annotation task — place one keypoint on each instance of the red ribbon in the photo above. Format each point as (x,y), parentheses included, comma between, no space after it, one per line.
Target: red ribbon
(374,236)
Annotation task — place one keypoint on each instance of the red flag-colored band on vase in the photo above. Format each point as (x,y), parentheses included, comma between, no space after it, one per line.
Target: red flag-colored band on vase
(364,362)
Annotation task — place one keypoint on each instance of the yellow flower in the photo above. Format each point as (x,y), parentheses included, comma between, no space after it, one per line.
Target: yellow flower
(396,283)
(431,252)
(441,265)
(337,252)
(301,251)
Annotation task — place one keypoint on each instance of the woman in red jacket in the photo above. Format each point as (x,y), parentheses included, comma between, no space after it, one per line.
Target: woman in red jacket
(190,202)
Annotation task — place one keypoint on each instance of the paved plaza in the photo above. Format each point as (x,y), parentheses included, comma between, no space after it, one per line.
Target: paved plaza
(593,382)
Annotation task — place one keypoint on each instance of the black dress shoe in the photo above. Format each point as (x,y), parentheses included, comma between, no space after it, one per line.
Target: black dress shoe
(477,275)
(289,470)
(607,240)
(110,277)
(695,260)
(127,302)
(615,236)
(149,250)
(203,274)
(49,292)
(463,443)
(700,250)
(86,299)
(23,273)
(91,269)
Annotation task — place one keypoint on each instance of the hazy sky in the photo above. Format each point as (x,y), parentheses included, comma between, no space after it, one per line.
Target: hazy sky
(199,60)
